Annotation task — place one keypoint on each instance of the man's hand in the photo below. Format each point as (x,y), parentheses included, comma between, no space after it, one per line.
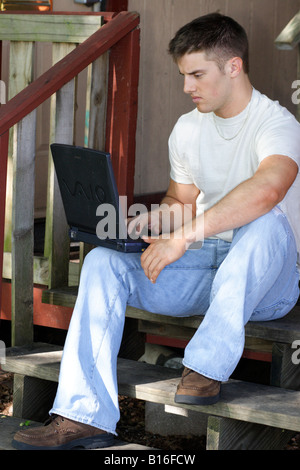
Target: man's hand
(160,253)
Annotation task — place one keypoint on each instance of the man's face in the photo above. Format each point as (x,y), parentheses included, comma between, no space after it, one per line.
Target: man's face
(209,87)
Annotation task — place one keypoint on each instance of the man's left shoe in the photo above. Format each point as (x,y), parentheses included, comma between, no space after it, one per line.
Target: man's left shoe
(195,389)
(62,434)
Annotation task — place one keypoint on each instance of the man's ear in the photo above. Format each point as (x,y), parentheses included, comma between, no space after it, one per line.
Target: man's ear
(234,66)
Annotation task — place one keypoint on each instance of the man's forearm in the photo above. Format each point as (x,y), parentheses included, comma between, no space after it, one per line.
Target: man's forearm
(245,203)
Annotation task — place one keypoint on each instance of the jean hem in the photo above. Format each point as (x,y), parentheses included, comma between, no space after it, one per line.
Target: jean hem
(206,374)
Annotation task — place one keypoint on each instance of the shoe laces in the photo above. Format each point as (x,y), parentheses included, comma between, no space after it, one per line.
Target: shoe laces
(53,418)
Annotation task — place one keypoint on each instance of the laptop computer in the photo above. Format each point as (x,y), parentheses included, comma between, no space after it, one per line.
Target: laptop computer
(90,198)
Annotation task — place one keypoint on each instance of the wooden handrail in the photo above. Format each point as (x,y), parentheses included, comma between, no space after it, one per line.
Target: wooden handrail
(66,69)
(119,36)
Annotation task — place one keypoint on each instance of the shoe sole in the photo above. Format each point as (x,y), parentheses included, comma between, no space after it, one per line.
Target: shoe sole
(194,400)
(95,442)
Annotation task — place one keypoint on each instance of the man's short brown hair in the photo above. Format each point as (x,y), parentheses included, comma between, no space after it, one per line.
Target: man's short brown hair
(219,36)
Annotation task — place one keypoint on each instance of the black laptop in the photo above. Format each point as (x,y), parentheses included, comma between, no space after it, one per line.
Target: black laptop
(90,198)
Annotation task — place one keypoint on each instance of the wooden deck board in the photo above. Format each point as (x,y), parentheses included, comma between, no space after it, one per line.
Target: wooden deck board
(243,401)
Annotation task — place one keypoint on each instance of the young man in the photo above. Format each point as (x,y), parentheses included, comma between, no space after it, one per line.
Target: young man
(235,166)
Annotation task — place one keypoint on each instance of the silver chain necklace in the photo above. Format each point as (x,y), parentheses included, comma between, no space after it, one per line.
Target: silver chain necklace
(239,131)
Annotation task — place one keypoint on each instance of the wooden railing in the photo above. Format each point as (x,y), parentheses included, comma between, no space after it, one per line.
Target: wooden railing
(288,39)
(112,87)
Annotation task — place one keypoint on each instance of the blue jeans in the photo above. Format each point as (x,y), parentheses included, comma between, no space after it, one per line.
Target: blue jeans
(253,278)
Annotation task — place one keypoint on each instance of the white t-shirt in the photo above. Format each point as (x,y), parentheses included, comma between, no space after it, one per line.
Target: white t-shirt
(200,155)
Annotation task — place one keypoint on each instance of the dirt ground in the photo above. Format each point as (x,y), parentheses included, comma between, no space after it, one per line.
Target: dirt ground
(131,427)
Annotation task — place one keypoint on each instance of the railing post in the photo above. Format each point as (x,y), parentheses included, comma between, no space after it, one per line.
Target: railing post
(57,242)
(23,232)
(122,110)
(3,172)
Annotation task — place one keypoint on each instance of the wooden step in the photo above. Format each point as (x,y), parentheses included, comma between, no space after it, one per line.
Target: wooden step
(249,402)
(285,330)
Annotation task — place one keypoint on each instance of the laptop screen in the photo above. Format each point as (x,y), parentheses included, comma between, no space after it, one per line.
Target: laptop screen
(86,180)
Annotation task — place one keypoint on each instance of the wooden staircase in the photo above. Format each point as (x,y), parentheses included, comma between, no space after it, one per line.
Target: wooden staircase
(254,416)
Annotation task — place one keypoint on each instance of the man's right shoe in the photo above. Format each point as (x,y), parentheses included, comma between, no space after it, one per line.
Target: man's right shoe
(62,434)
(195,389)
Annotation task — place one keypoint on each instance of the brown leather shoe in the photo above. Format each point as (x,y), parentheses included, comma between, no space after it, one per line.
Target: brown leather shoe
(195,389)
(62,434)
